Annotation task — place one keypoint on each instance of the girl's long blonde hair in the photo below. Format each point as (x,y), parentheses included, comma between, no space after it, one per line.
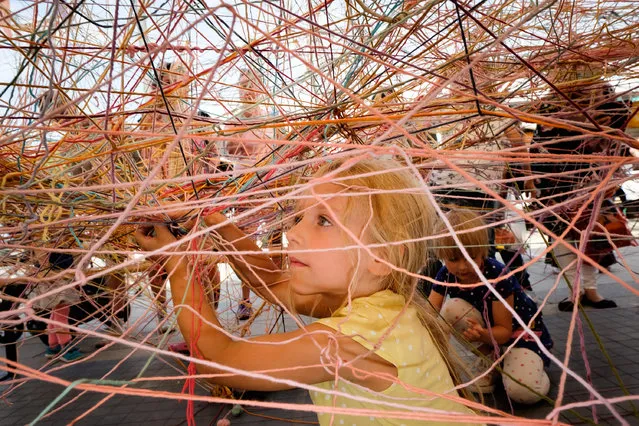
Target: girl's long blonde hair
(402,216)
(402,219)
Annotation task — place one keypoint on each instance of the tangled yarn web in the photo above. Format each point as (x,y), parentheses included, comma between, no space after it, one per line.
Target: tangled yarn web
(116,110)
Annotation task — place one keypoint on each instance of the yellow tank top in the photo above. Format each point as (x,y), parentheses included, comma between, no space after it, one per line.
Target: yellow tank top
(402,340)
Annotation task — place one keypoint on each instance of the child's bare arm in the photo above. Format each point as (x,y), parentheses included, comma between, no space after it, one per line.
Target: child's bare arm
(297,356)
(436,300)
(500,331)
(294,356)
(260,272)
(257,269)
(502,328)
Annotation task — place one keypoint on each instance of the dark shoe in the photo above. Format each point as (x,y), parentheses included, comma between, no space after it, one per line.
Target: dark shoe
(53,352)
(566,305)
(602,304)
(244,311)
(71,355)
(607,260)
(8,376)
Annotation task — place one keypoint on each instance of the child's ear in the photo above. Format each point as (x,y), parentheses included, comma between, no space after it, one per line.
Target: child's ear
(381,266)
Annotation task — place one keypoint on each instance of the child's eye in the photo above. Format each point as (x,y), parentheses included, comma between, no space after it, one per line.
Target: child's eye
(323,221)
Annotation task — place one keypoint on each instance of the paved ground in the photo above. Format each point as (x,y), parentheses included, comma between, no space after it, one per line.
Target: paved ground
(616,329)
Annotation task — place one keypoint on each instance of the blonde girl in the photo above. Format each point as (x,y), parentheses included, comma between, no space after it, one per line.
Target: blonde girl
(358,234)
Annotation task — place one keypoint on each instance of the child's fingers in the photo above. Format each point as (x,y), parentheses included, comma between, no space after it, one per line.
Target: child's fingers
(473,330)
(144,237)
(185,223)
(144,232)
(163,234)
(153,237)
(470,335)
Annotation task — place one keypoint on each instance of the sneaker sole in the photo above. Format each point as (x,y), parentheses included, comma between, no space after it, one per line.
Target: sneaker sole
(67,361)
(79,356)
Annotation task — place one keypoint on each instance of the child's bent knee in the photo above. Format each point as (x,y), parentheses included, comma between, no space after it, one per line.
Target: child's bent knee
(525,379)
(527,391)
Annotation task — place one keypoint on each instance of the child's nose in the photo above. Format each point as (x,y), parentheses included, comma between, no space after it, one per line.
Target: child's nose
(293,234)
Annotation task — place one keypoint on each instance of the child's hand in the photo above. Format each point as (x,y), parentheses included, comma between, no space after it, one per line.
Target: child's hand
(474,331)
(154,237)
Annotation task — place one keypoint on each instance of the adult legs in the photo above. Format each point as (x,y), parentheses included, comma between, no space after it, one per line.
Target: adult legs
(245,310)
(59,335)
(11,352)
(591,297)
(11,334)
(116,285)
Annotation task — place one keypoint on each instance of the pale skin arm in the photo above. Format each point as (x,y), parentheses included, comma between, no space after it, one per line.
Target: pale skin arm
(437,300)
(295,355)
(501,331)
(256,269)
(260,272)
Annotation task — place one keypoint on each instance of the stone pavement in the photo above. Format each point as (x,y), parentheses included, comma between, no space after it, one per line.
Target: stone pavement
(616,329)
